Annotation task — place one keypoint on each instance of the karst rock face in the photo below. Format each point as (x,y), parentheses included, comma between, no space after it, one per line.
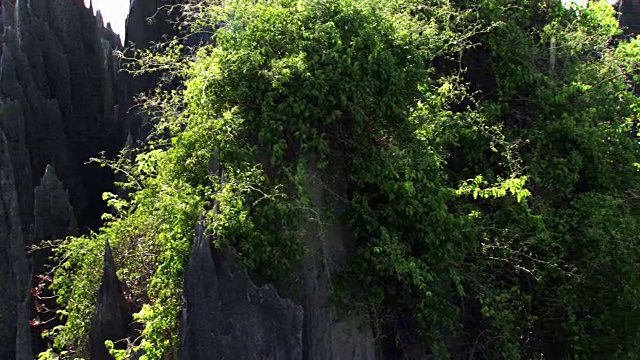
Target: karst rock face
(112,319)
(310,322)
(62,101)
(58,108)
(54,218)
(148,23)
(228,317)
(630,16)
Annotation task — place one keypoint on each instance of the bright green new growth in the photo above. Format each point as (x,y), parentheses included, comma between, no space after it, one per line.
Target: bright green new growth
(501,229)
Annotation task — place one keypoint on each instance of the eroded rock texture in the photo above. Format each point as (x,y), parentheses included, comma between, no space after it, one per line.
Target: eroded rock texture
(222,319)
(13,265)
(630,16)
(328,334)
(61,72)
(54,218)
(58,107)
(228,317)
(54,215)
(62,101)
(148,23)
(112,318)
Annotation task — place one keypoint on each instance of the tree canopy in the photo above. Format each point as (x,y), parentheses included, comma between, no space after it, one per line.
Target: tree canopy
(489,152)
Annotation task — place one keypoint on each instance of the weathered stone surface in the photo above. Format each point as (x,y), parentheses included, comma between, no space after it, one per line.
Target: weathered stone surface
(14,268)
(327,335)
(54,216)
(8,297)
(13,125)
(630,16)
(24,338)
(228,317)
(57,107)
(113,315)
(148,22)
(58,78)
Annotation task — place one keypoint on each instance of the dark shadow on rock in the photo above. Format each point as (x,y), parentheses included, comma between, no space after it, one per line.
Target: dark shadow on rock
(14,268)
(228,317)
(112,319)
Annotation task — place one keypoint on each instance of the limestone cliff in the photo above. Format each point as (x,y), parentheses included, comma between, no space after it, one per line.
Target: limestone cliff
(57,108)
(148,23)
(62,101)
(630,16)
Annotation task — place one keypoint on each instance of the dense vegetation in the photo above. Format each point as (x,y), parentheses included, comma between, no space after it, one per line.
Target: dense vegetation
(491,162)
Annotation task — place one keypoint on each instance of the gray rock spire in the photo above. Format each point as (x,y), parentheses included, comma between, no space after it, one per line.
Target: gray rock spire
(112,317)
(228,317)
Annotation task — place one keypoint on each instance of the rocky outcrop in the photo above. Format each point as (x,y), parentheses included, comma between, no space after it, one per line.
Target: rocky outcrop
(148,23)
(113,315)
(228,317)
(221,319)
(630,16)
(14,268)
(329,334)
(54,218)
(65,74)
(54,215)
(62,101)
(57,107)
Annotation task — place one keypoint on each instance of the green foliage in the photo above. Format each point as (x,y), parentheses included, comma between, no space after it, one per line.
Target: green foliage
(497,225)
(566,261)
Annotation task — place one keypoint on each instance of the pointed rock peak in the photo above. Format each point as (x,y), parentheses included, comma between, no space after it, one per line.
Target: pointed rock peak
(8,12)
(110,279)
(227,316)
(201,241)
(53,218)
(112,315)
(129,143)
(7,66)
(50,179)
(49,172)
(54,215)
(99,19)
(109,264)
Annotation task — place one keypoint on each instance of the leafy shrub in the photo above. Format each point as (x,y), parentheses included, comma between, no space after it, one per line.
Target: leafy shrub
(495,225)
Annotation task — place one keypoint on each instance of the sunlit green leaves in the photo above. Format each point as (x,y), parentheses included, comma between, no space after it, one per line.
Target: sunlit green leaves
(492,219)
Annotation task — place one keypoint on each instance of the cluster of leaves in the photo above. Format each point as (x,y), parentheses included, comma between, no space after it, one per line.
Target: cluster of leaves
(564,90)
(494,226)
